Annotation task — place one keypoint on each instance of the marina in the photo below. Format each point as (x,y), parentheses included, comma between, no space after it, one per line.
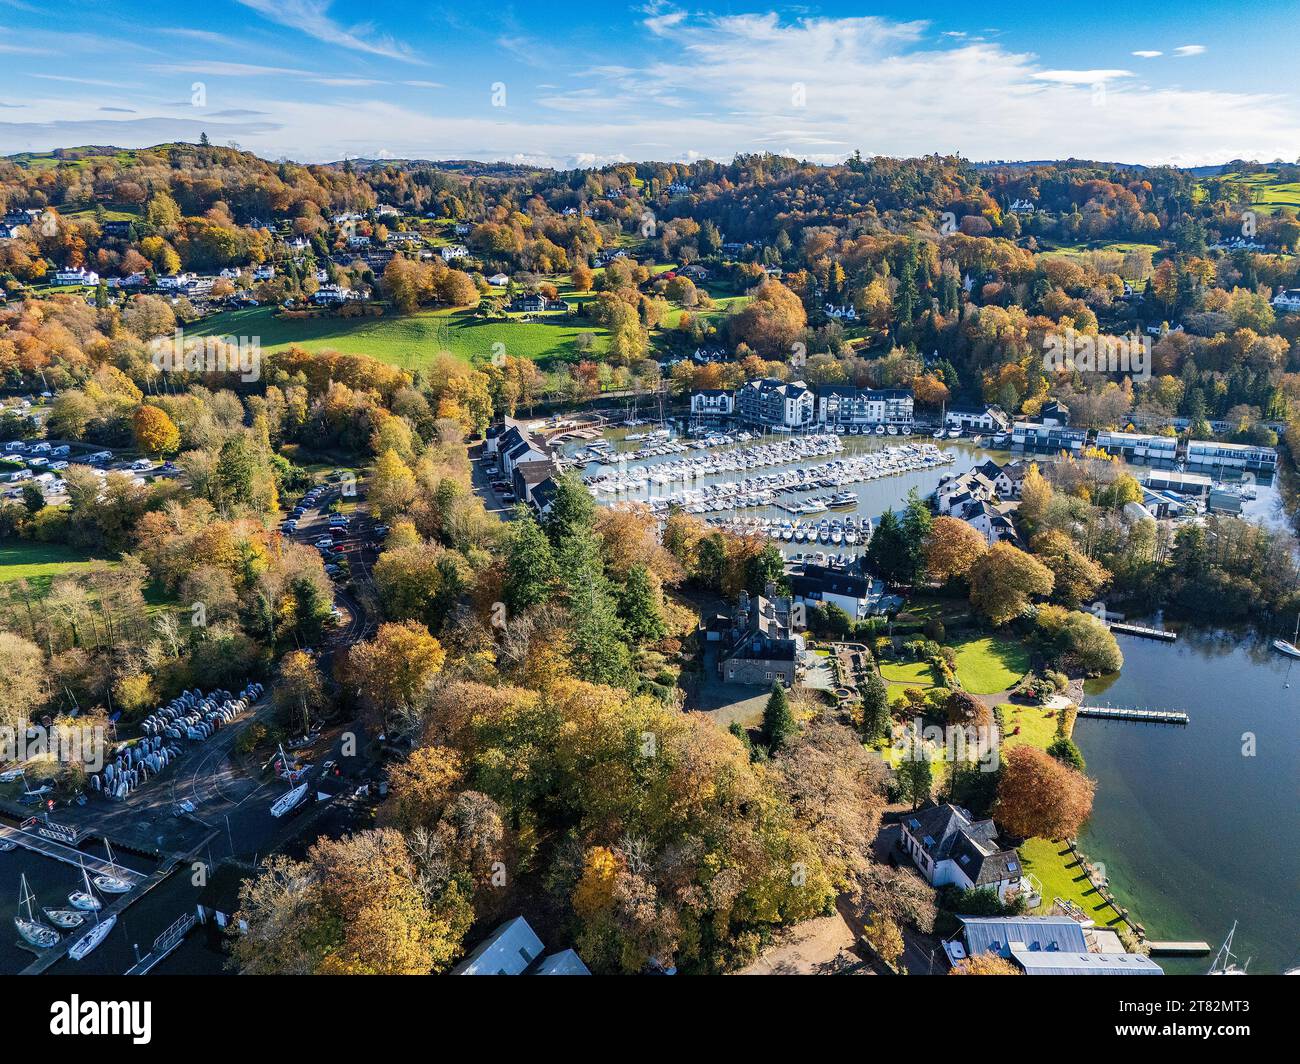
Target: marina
(820,490)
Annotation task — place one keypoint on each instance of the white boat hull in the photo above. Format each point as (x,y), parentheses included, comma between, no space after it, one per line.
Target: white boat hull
(35,933)
(1289,649)
(85,902)
(289,801)
(92,938)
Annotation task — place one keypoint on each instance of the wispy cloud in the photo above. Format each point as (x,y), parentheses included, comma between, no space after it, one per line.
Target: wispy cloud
(1147,54)
(312,18)
(1189,49)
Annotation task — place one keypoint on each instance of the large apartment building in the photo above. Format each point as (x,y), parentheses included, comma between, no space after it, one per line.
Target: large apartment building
(839,404)
(785,406)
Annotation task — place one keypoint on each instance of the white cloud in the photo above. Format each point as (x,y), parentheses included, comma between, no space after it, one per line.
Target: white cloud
(1081,77)
(312,18)
(1147,54)
(1189,49)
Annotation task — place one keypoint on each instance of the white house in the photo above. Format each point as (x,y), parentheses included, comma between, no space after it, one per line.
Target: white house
(844,313)
(264,273)
(453,251)
(1288,300)
(80,275)
(949,847)
(498,280)
(1021,206)
(713,402)
(990,419)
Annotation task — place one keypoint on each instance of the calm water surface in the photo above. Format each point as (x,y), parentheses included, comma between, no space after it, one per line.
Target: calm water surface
(1196,830)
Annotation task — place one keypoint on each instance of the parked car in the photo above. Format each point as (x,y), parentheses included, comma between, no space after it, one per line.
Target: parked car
(290,525)
(324,543)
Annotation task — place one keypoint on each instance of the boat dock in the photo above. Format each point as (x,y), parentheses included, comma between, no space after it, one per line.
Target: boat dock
(1141,716)
(48,847)
(1146,633)
(1179,949)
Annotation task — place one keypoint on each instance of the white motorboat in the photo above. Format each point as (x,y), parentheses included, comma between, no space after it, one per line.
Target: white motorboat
(880,430)
(939,435)
(92,938)
(33,932)
(954,434)
(892,430)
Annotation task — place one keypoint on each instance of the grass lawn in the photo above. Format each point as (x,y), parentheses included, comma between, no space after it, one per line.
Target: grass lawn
(1048,861)
(987,665)
(407,340)
(908,673)
(1036,727)
(39,563)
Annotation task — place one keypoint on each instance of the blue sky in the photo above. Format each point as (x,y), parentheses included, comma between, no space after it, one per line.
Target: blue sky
(583,84)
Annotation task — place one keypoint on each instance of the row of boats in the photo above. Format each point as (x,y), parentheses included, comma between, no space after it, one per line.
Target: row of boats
(720,463)
(41,935)
(850,531)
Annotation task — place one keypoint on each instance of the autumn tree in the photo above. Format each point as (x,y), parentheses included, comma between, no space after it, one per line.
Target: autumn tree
(1039,796)
(299,690)
(772,321)
(1076,578)
(1004,580)
(155,432)
(951,548)
(391,673)
(421,786)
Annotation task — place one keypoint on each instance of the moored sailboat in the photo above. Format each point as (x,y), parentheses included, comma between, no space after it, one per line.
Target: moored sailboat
(33,932)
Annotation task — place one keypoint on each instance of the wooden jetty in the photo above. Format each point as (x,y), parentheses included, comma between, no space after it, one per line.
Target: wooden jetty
(1176,949)
(1140,630)
(1140,716)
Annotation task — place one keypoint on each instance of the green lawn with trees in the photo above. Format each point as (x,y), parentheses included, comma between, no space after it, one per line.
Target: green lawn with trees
(410,340)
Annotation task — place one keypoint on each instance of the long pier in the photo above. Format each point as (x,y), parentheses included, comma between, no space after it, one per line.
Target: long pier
(1140,630)
(1141,716)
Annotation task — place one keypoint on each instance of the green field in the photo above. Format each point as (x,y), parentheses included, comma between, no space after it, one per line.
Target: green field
(407,340)
(1268,191)
(39,563)
(986,666)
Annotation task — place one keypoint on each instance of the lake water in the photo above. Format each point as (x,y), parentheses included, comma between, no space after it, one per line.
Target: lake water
(1195,830)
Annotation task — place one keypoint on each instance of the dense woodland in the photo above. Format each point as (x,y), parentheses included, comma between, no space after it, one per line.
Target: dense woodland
(551,744)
